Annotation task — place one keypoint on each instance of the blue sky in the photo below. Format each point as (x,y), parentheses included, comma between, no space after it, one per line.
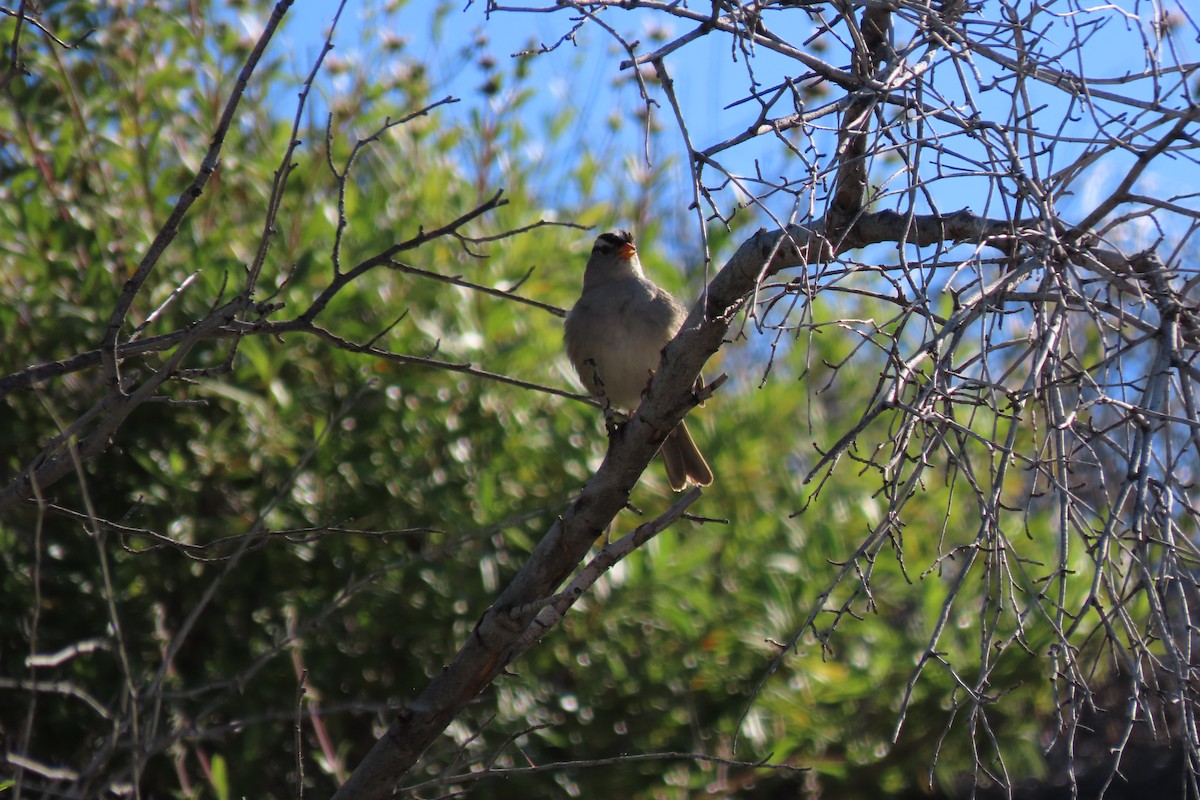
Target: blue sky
(586,76)
(508,33)
(707,78)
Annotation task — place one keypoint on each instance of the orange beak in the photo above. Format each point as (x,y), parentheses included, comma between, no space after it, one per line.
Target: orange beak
(626,252)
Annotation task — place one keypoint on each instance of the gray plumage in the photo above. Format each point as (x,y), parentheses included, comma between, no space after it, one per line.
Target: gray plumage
(614,336)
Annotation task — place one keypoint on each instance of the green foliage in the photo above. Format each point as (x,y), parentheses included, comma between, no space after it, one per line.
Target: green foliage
(458,476)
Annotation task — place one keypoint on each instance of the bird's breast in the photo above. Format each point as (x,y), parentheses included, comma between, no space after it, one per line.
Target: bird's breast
(615,335)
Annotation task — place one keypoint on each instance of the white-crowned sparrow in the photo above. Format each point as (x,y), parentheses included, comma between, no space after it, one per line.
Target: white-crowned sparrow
(614,336)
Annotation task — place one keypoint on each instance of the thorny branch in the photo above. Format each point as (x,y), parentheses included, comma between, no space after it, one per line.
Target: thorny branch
(1052,390)
(147,719)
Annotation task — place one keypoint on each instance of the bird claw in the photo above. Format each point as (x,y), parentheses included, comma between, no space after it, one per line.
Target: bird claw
(613,423)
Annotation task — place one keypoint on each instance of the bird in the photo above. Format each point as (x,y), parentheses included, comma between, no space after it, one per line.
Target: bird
(614,336)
